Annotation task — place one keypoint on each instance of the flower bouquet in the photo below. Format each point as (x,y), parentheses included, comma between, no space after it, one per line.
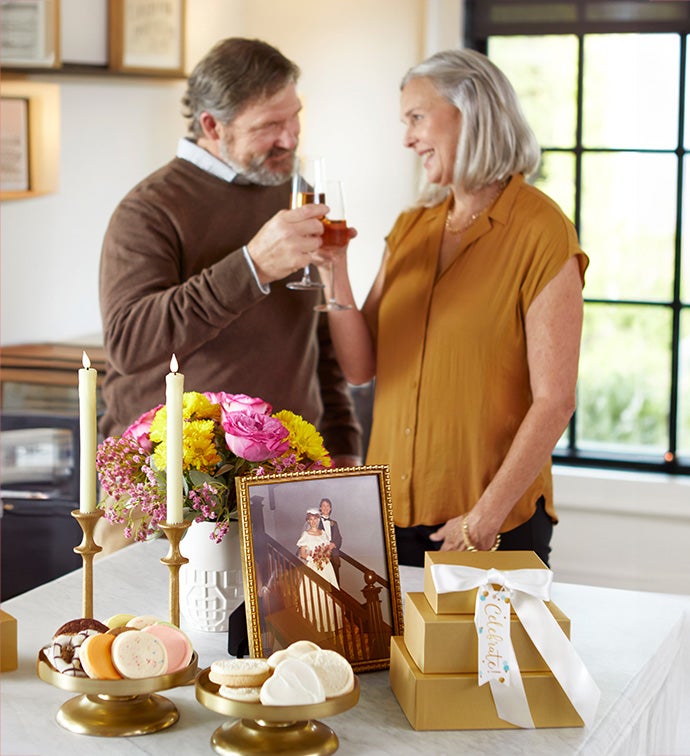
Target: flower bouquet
(225,436)
(321,555)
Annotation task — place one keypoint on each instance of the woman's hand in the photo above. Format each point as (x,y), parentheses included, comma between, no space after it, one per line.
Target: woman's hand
(481,534)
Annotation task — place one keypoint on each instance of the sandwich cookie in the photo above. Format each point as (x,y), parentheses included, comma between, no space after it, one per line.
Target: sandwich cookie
(239,673)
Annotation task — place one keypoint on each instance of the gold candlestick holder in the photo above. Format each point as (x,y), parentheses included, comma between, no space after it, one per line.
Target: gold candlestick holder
(174,560)
(88,548)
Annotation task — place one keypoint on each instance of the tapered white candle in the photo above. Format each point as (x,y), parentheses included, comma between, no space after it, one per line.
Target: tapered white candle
(174,390)
(87,436)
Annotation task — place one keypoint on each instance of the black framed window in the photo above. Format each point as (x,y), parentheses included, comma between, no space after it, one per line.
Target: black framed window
(606,86)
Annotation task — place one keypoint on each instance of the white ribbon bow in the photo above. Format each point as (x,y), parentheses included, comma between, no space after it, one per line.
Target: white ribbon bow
(527,591)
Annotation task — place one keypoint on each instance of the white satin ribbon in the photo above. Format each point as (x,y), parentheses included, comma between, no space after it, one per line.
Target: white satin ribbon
(527,591)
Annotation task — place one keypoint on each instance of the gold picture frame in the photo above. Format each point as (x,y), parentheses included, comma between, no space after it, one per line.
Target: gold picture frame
(30,33)
(290,597)
(147,37)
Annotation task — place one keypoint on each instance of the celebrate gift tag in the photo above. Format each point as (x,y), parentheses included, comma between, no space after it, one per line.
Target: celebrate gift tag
(492,620)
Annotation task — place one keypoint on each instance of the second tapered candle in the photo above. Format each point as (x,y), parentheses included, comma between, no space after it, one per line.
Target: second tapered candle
(174,391)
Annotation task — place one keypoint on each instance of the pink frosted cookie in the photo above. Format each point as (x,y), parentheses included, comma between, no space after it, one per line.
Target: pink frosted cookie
(138,655)
(177,645)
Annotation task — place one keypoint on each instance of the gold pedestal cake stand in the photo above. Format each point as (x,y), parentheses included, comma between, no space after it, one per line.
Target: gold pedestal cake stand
(116,708)
(291,730)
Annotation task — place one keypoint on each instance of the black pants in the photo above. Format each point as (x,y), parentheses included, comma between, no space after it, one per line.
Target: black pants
(533,535)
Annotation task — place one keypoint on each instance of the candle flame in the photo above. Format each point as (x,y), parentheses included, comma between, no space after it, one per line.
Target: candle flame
(173,364)
(85,361)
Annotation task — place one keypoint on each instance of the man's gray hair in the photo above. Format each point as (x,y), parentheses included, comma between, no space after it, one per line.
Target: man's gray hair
(235,73)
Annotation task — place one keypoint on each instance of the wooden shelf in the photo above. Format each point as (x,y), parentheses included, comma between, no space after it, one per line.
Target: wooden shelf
(83,69)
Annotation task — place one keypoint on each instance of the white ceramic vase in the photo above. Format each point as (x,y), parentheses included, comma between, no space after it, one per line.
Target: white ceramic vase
(211,583)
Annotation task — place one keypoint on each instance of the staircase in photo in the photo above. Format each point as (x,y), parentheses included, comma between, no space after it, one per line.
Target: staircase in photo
(299,604)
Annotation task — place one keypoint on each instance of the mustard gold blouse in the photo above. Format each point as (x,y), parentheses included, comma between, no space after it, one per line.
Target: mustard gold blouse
(452,380)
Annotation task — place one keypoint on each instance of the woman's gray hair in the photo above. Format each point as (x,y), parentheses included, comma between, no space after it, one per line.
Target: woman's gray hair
(495,139)
(233,74)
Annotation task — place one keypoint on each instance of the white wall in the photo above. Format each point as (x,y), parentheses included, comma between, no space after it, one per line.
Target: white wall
(625,530)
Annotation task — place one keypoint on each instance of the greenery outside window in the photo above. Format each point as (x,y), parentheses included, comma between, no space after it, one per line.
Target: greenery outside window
(606,86)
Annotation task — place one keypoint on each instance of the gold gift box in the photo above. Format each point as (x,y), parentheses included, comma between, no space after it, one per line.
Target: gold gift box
(8,642)
(447,643)
(462,602)
(456,702)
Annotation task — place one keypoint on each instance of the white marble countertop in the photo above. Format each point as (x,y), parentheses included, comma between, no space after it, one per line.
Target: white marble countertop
(636,646)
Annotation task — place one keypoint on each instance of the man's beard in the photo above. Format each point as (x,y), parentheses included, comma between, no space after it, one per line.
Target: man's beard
(257,171)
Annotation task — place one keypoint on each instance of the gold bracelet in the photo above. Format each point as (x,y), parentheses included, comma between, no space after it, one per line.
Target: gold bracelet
(469,546)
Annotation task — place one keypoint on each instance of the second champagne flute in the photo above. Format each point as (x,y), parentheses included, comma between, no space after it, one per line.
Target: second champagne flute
(334,235)
(307,189)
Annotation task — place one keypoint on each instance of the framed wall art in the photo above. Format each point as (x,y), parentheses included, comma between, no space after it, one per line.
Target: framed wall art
(320,562)
(147,36)
(30,33)
(29,138)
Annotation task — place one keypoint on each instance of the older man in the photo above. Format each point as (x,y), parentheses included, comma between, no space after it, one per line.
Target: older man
(196,258)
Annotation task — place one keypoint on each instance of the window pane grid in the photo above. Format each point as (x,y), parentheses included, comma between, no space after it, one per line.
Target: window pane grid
(649,407)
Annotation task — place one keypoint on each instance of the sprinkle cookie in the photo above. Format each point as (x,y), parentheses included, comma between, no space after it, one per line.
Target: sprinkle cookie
(137,655)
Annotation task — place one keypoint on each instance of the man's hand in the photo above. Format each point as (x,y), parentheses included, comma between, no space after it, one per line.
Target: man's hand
(287,242)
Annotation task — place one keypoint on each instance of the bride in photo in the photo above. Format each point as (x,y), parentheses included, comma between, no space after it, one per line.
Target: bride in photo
(315,551)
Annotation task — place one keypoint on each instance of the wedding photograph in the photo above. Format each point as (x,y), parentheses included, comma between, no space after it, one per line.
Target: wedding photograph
(320,564)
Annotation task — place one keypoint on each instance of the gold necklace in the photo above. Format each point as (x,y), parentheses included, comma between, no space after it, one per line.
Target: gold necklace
(458,230)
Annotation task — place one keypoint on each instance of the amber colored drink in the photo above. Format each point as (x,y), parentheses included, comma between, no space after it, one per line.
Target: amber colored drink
(307,198)
(334,233)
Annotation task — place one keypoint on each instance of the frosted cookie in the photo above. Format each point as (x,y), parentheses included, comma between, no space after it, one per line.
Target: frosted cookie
(276,657)
(301,647)
(121,629)
(177,645)
(95,657)
(293,683)
(64,652)
(247,695)
(334,671)
(239,673)
(118,620)
(142,620)
(137,655)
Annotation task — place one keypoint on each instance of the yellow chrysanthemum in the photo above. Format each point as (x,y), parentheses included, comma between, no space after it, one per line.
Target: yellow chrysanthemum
(304,439)
(198,449)
(160,456)
(197,406)
(159,426)
(194,405)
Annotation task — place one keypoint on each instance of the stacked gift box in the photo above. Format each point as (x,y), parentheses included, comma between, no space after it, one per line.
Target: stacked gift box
(434,665)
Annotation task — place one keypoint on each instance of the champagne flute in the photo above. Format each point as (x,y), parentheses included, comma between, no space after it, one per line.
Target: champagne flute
(334,235)
(307,189)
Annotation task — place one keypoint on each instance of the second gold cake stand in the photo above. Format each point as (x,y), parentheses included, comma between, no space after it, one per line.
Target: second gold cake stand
(291,730)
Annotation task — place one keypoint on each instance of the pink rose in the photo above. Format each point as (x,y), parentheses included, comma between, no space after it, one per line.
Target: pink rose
(238,402)
(141,428)
(254,436)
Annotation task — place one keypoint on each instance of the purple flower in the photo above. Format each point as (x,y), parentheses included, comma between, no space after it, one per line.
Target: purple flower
(254,437)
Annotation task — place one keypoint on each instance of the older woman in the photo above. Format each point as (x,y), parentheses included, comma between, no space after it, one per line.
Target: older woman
(472,327)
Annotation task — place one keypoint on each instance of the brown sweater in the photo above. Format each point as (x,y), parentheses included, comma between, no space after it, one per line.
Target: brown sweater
(173,278)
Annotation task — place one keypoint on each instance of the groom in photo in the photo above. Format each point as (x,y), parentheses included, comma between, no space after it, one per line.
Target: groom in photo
(330,527)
